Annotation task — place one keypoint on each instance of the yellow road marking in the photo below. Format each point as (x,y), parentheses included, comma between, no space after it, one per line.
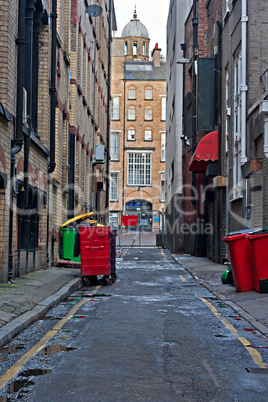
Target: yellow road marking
(182,278)
(14,370)
(165,257)
(256,356)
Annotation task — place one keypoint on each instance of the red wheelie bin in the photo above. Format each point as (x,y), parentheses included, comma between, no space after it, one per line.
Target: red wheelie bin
(241,260)
(94,251)
(259,249)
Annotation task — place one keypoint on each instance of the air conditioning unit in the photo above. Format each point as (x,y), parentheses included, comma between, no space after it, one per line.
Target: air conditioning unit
(99,156)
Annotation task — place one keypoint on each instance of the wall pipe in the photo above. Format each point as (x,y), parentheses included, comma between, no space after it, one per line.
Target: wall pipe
(52,90)
(244,88)
(18,137)
(108,105)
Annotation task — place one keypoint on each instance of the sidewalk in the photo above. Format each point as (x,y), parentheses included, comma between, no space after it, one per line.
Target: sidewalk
(252,306)
(29,297)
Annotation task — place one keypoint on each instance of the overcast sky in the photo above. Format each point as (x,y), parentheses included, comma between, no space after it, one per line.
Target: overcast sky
(152,13)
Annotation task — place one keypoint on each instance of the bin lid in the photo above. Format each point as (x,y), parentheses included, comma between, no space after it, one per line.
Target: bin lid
(263,231)
(241,231)
(78,219)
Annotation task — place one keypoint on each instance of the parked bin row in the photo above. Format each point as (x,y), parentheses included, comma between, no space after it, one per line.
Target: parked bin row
(248,250)
(91,244)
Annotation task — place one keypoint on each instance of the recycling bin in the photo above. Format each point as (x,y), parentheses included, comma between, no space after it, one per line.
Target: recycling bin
(241,260)
(95,250)
(68,239)
(259,249)
(68,230)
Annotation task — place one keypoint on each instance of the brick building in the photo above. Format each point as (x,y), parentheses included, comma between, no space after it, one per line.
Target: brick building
(138,114)
(225,135)
(54,103)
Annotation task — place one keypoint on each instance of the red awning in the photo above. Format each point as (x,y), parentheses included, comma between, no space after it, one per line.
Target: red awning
(206,152)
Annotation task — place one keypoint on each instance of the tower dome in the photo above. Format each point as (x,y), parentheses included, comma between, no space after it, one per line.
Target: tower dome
(135,28)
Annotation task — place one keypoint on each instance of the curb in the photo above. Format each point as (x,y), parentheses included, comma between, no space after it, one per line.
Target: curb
(19,324)
(239,310)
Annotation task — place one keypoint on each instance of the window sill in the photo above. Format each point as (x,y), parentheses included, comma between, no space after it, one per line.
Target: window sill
(131,140)
(131,119)
(114,160)
(139,185)
(148,119)
(148,140)
(115,119)
(113,200)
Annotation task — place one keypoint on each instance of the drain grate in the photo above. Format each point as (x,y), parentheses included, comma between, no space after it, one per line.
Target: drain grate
(257,370)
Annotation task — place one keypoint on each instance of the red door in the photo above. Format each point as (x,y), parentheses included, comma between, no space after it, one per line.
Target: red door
(95,250)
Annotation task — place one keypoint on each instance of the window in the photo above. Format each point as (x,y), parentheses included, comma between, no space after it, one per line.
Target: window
(135,49)
(113,220)
(131,113)
(125,49)
(28,220)
(139,169)
(163,147)
(114,147)
(144,49)
(163,108)
(115,108)
(162,188)
(114,186)
(148,135)
(132,93)
(131,134)
(148,114)
(148,93)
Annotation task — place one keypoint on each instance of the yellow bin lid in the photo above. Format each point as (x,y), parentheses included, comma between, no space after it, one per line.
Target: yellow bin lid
(79,218)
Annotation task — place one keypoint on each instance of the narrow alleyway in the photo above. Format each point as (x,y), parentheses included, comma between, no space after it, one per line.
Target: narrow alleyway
(154,335)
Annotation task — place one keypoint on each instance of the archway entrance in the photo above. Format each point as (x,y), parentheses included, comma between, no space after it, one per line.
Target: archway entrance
(139,224)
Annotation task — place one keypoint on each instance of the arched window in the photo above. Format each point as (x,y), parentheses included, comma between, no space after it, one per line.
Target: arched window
(126,49)
(131,113)
(148,93)
(148,114)
(148,136)
(132,93)
(131,134)
(135,49)
(144,49)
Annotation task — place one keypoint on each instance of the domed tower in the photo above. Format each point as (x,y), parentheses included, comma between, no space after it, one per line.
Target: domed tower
(136,44)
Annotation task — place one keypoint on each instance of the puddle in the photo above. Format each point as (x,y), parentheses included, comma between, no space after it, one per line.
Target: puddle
(7,350)
(20,385)
(50,318)
(51,350)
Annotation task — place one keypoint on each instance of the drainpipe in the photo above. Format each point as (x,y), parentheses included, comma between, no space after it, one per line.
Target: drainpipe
(265,145)
(108,106)
(18,141)
(244,88)
(36,37)
(52,90)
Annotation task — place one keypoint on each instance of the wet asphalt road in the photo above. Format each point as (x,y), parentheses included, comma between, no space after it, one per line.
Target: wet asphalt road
(154,335)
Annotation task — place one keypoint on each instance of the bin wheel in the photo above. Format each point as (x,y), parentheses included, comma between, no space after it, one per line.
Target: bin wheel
(86,280)
(114,276)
